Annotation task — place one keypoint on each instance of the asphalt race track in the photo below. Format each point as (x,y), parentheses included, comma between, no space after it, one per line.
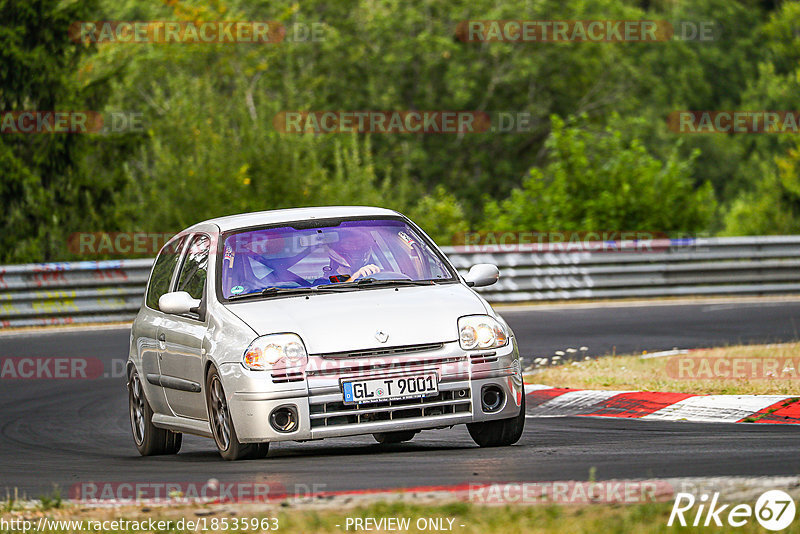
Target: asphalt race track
(631,329)
(65,432)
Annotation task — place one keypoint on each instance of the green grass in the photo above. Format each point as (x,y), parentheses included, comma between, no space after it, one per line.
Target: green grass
(631,372)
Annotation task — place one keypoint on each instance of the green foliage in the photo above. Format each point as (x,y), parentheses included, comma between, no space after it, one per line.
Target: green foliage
(440,215)
(767,200)
(51,500)
(45,194)
(599,181)
(773,206)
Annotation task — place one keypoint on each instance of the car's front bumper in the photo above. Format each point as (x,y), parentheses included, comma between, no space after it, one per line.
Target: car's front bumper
(318,398)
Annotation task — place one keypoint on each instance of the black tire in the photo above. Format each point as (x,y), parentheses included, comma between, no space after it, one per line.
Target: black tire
(219,418)
(386,438)
(149,439)
(500,433)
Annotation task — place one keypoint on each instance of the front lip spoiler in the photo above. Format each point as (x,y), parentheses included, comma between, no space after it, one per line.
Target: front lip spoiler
(416,423)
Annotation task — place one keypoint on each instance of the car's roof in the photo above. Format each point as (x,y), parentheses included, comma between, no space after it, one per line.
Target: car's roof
(245,220)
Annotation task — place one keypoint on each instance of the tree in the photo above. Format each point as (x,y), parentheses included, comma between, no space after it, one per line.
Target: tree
(44,194)
(601,182)
(766,199)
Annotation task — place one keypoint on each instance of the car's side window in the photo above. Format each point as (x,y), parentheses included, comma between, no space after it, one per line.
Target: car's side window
(162,271)
(192,278)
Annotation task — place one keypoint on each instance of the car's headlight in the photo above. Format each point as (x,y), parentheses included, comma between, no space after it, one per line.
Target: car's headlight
(275,350)
(481,332)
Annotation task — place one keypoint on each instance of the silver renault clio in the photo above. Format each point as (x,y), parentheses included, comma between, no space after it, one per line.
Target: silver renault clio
(312,323)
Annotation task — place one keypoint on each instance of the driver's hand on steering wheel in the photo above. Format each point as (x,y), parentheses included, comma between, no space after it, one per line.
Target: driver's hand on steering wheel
(364,271)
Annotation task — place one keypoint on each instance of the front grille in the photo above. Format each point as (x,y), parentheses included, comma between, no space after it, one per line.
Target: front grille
(337,413)
(370,366)
(390,351)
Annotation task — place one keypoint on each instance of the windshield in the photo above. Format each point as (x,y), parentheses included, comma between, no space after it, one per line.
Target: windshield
(287,258)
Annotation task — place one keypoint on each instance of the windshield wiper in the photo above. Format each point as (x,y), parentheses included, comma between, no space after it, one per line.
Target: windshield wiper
(374,282)
(272,291)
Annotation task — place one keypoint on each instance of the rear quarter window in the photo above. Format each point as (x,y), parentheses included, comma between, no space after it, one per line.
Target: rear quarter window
(162,272)
(193,273)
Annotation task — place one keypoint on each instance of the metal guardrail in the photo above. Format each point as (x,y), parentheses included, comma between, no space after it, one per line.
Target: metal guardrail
(703,266)
(100,291)
(73,292)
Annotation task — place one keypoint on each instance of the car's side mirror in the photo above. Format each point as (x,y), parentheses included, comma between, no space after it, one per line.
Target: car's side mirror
(482,274)
(179,303)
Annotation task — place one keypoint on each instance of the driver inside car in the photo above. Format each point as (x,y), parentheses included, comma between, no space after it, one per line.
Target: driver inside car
(350,256)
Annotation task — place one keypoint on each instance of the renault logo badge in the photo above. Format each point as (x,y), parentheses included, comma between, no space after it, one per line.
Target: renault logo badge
(381,336)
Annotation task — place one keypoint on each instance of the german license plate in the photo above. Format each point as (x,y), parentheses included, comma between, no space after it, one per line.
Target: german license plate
(385,389)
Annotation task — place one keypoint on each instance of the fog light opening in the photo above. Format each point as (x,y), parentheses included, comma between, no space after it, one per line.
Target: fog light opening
(492,399)
(284,419)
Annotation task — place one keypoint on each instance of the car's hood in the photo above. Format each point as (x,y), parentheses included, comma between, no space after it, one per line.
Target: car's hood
(347,321)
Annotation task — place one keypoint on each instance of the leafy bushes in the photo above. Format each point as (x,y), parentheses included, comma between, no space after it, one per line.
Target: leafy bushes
(601,182)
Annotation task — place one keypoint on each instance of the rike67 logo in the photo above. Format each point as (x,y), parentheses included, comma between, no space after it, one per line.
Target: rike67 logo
(774,510)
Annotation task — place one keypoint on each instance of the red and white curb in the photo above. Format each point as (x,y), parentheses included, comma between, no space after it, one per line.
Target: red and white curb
(546,401)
